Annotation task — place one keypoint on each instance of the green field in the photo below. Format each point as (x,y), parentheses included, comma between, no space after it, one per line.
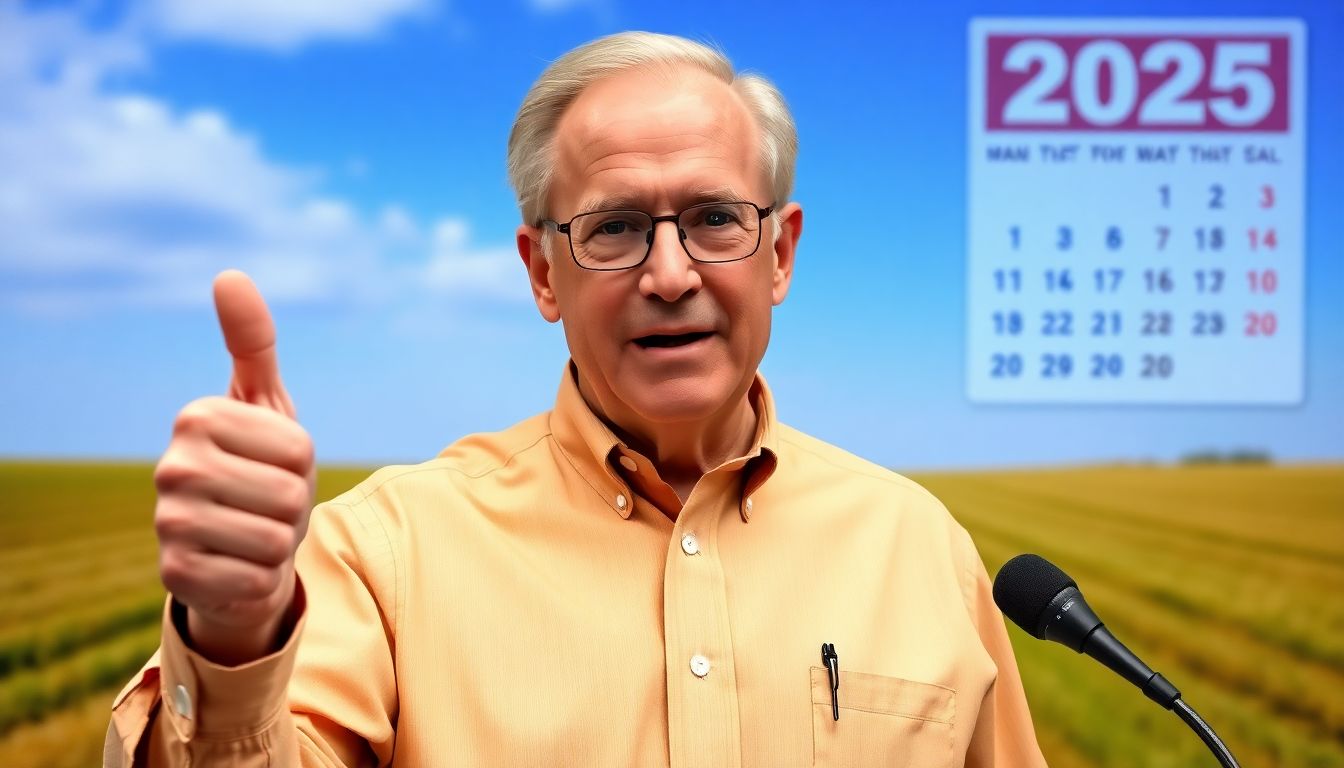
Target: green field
(1228,579)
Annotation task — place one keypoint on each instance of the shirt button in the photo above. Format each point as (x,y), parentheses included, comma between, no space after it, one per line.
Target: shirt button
(699,665)
(182,701)
(689,544)
(620,501)
(629,463)
(748,505)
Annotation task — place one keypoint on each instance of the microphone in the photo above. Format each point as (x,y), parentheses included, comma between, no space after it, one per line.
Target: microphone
(1047,604)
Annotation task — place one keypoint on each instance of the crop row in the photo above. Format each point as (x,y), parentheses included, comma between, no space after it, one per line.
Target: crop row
(1187,575)
(70,738)
(1235,652)
(1293,510)
(74,560)
(45,503)
(49,601)
(1110,725)
(1240,681)
(32,694)
(36,644)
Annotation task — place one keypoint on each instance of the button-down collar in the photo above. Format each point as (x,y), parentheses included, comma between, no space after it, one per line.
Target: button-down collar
(596,452)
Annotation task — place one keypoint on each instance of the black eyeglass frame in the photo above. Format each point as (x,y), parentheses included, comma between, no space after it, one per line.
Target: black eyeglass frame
(761,214)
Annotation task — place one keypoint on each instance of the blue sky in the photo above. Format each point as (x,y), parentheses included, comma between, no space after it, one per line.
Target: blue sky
(353,163)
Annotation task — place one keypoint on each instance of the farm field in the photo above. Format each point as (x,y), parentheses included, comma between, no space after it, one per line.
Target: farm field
(1227,579)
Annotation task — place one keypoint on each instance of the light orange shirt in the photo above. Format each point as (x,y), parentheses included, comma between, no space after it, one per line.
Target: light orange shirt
(520,601)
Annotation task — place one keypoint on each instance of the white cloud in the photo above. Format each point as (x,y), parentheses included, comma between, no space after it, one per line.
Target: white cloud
(397,224)
(55,45)
(280,25)
(458,267)
(114,199)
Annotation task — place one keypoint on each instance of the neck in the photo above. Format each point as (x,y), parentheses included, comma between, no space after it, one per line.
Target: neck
(683,452)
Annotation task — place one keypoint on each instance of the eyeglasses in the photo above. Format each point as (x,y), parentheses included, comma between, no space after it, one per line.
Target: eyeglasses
(712,233)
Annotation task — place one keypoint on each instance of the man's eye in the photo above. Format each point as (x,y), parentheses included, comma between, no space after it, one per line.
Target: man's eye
(612,228)
(718,218)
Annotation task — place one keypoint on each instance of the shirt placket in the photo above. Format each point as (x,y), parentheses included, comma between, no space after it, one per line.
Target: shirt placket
(703,724)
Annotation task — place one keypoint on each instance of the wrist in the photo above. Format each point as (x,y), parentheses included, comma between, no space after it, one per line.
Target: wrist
(232,645)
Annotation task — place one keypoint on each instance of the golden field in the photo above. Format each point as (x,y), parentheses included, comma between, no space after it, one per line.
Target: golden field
(1227,579)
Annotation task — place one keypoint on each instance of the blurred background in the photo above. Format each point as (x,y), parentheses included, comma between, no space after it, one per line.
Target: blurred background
(350,157)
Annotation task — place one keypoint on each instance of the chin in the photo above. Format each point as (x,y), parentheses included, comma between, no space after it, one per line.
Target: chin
(679,400)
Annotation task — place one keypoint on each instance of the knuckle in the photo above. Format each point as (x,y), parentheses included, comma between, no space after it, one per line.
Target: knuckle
(259,582)
(174,571)
(173,472)
(299,450)
(172,524)
(295,500)
(273,579)
(276,545)
(248,584)
(195,417)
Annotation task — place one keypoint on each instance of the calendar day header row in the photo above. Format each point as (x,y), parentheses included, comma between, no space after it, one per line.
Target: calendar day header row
(1140,153)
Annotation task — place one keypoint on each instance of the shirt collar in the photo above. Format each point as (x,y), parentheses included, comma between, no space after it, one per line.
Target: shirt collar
(591,446)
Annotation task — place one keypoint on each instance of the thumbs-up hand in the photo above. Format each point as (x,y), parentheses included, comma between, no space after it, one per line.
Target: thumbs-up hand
(235,488)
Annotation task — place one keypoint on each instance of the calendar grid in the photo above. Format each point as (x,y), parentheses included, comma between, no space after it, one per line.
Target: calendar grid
(1140,264)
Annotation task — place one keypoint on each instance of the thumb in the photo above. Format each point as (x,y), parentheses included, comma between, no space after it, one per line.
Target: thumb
(250,336)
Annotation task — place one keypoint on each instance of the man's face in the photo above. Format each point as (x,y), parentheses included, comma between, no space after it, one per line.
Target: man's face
(660,141)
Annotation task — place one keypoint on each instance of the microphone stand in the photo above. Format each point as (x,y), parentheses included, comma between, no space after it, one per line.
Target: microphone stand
(1021,590)
(1191,718)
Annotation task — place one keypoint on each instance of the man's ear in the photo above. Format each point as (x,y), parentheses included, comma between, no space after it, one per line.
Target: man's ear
(538,271)
(785,246)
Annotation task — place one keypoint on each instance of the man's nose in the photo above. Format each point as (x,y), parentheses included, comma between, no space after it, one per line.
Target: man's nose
(669,272)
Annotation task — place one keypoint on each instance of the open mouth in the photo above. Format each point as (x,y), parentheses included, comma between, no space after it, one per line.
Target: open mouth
(671,340)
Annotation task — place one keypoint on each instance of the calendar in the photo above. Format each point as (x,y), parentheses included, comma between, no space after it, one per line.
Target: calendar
(1135,211)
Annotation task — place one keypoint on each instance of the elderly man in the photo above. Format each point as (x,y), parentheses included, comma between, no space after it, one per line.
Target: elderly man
(656,572)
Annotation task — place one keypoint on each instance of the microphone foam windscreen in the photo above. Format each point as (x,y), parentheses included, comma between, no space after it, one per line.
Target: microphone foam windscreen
(1024,588)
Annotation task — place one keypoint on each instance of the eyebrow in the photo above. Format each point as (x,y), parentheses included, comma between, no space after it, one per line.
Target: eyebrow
(634,200)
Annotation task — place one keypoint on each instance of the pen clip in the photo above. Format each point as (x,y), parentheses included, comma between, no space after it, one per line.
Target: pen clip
(832,662)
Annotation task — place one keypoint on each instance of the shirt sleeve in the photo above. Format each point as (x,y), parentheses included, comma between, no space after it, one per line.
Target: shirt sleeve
(326,698)
(1004,736)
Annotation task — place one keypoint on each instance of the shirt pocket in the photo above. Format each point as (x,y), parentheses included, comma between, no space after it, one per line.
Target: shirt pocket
(884,721)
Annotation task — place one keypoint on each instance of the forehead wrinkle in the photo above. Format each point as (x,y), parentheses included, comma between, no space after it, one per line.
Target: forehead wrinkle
(693,194)
(604,145)
(615,182)
(639,162)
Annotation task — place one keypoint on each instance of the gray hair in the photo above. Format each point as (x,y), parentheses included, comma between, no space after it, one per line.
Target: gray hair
(531,143)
